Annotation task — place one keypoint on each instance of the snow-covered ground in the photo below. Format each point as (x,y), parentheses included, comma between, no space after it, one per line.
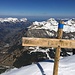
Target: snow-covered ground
(66,67)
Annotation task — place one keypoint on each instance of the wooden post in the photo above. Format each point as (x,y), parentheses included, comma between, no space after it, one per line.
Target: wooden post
(57,53)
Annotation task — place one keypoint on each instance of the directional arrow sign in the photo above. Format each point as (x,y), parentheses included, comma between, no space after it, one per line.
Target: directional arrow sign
(47,42)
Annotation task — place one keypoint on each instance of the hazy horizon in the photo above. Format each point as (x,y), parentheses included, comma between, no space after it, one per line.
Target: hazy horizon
(37,8)
(37,18)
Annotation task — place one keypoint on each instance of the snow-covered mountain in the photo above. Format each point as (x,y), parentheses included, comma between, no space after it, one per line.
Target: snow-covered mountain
(52,21)
(49,24)
(23,19)
(66,67)
(71,22)
(13,20)
(52,24)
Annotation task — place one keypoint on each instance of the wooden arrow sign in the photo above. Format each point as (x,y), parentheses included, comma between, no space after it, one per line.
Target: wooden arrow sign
(46,42)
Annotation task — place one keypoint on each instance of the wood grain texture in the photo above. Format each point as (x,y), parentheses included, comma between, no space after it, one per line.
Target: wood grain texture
(46,42)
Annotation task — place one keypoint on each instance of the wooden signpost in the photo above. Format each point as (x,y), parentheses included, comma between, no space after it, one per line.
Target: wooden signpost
(46,42)
(55,43)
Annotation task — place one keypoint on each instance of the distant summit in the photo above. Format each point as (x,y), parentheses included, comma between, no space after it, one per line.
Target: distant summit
(52,21)
(23,19)
(71,22)
(10,19)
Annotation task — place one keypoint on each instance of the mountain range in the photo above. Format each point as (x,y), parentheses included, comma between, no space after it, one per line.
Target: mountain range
(11,32)
(10,19)
(52,24)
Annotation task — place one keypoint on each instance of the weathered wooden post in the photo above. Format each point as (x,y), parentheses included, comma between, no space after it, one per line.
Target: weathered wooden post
(57,53)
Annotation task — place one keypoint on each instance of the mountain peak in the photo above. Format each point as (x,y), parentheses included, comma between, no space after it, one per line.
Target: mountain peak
(10,19)
(52,21)
(71,22)
(23,19)
(52,24)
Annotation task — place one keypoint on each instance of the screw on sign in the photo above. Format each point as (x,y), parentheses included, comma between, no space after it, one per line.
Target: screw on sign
(47,42)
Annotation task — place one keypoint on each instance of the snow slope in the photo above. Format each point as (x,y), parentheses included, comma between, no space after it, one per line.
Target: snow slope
(66,67)
(52,24)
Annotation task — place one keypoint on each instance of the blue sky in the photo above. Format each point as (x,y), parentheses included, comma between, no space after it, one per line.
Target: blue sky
(57,8)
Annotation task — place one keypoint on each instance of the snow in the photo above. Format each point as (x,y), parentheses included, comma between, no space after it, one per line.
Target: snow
(71,22)
(23,19)
(49,33)
(52,24)
(66,67)
(35,23)
(42,50)
(52,21)
(68,28)
(10,19)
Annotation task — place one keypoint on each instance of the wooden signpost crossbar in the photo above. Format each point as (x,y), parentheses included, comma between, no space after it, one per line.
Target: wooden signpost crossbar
(47,42)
